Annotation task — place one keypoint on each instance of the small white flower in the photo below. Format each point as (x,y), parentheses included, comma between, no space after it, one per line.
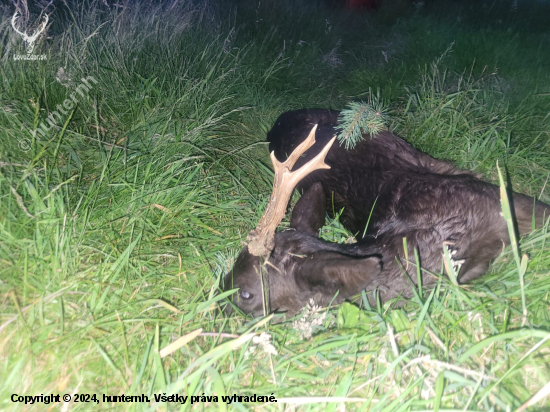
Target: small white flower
(328,26)
(309,321)
(331,58)
(63,78)
(263,341)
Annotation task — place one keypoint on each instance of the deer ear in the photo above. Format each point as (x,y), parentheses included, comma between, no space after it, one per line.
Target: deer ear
(309,213)
(329,272)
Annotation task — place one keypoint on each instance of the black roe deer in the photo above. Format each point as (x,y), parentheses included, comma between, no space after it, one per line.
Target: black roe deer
(406,193)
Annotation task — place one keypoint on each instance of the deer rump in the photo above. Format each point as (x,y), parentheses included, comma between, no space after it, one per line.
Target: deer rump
(406,193)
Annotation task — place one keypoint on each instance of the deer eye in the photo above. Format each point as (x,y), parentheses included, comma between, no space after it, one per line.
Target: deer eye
(245,295)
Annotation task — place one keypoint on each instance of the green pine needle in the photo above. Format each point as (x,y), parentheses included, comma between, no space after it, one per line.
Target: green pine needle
(361,118)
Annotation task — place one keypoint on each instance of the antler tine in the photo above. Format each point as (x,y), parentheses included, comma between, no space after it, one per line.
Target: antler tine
(38,31)
(13,19)
(299,151)
(261,240)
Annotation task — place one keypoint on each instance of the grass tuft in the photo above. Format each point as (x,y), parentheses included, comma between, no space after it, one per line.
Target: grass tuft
(119,219)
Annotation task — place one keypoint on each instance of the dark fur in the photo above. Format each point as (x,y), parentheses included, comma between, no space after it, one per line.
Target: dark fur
(427,201)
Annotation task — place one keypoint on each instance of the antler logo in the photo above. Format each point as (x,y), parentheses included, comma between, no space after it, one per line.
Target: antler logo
(26,38)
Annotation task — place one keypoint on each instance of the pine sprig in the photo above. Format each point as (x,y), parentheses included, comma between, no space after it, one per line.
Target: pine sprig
(360,118)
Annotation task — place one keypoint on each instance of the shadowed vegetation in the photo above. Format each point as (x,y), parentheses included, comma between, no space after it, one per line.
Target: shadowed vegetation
(117,223)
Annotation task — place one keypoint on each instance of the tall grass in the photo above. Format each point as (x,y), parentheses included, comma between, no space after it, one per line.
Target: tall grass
(117,225)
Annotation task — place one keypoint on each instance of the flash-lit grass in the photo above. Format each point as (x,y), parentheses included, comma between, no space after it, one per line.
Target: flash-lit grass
(116,227)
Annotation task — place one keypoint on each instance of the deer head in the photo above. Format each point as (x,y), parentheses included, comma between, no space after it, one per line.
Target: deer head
(282,271)
(26,38)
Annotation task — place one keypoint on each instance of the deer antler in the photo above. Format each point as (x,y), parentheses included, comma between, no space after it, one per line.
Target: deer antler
(39,30)
(13,19)
(261,240)
(26,38)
